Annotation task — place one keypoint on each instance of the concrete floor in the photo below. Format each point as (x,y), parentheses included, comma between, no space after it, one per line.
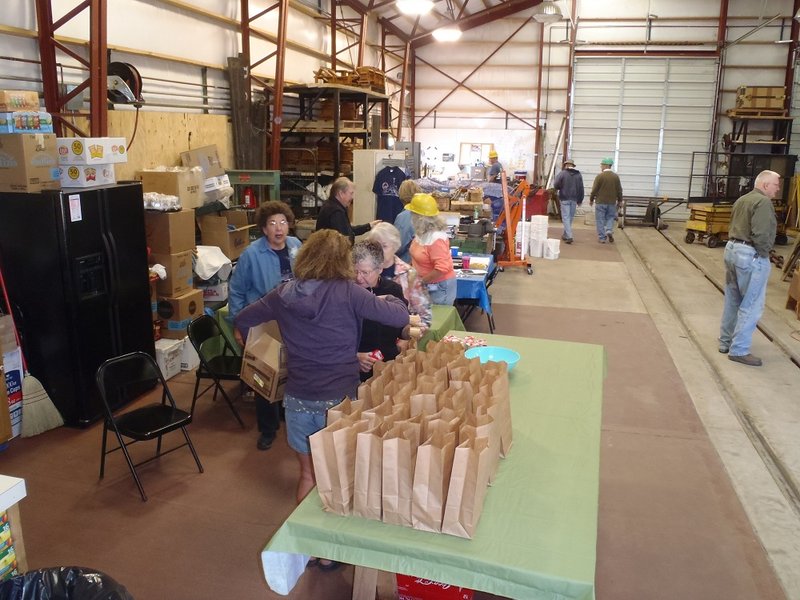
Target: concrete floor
(750,414)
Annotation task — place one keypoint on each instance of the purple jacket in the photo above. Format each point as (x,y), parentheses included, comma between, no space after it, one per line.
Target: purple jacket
(320,322)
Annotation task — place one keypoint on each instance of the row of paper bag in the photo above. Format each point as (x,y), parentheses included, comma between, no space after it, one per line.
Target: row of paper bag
(421,443)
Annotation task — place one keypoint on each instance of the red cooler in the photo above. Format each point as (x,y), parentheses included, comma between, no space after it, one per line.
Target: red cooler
(416,588)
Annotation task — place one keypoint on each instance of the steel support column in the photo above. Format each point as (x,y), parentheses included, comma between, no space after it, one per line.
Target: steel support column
(791,58)
(97,64)
(277,102)
(537,149)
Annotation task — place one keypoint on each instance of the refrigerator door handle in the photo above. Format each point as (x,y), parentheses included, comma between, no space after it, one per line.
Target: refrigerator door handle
(113,295)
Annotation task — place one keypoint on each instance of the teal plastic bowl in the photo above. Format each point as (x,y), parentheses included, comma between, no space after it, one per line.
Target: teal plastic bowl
(494,354)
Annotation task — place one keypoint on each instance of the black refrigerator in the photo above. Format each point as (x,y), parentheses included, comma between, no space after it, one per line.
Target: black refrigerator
(75,264)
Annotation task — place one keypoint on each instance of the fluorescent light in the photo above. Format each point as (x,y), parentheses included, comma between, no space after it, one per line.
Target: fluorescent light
(547,12)
(449,33)
(414,7)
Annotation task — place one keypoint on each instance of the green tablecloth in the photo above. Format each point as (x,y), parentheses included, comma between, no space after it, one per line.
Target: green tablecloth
(443,320)
(537,536)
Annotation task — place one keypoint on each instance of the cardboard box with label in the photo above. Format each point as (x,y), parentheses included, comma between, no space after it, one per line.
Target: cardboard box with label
(168,356)
(179,273)
(85,176)
(189,357)
(11,100)
(214,231)
(177,312)
(5,415)
(216,188)
(26,121)
(183,182)
(264,361)
(207,158)
(92,151)
(214,293)
(169,232)
(28,162)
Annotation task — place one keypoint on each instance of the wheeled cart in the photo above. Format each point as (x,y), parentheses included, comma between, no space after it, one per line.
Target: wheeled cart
(709,223)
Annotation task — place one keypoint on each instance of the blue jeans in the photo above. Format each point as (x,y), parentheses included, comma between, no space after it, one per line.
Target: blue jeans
(443,292)
(746,276)
(604,215)
(567,214)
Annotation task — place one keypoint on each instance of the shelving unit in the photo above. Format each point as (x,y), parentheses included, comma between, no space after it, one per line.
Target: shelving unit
(774,132)
(312,145)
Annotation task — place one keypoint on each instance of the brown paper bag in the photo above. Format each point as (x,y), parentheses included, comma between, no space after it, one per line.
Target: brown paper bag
(403,394)
(495,385)
(431,480)
(467,490)
(346,408)
(367,486)
(397,477)
(333,453)
(404,372)
(400,412)
(457,397)
(375,415)
(444,421)
(483,425)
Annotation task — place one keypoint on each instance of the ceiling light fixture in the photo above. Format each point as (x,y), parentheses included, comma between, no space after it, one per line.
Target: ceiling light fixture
(448,33)
(414,7)
(547,12)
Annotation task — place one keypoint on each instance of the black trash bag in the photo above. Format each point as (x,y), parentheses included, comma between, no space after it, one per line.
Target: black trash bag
(63,583)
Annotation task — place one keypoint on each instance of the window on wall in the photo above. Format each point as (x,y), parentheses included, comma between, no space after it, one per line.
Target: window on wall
(648,114)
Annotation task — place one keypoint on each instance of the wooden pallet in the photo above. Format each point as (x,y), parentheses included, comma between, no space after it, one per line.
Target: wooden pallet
(767,113)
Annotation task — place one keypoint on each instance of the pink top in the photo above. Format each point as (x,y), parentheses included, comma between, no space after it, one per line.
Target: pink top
(434,255)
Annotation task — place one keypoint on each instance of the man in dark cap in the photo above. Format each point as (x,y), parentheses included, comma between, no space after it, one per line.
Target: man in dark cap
(569,184)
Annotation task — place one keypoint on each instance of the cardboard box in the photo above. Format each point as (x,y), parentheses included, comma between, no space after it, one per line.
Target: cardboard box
(177,312)
(12,366)
(214,231)
(179,273)
(215,293)
(264,362)
(26,121)
(189,357)
(168,357)
(8,339)
(169,232)
(185,183)
(749,97)
(85,176)
(92,151)
(28,162)
(11,100)
(216,188)
(207,158)
(5,415)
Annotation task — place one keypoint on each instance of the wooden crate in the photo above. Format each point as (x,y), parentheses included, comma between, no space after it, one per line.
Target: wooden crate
(372,78)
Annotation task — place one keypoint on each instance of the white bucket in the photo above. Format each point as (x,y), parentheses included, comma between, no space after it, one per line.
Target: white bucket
(538,227)
(552,249)
(536,248)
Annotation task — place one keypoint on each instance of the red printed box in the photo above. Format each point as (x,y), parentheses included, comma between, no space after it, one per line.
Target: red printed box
(416,588)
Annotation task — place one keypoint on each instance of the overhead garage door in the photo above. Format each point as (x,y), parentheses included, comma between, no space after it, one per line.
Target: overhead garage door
(648,114)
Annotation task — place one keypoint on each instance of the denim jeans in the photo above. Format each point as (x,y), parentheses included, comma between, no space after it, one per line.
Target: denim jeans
(604,215)
(746,276)
(443,292)
(567,214)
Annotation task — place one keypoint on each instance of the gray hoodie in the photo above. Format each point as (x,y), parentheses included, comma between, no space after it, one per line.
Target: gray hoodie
(320,322)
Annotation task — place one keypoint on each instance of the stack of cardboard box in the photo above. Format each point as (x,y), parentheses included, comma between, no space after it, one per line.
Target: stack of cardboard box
(89,162)
(28,155)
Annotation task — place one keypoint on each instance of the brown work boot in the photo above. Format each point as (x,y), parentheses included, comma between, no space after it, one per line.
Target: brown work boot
(746,359)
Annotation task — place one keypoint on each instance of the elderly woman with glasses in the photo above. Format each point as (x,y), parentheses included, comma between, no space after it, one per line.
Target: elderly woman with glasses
(378,341)
(263,265)
(396,269)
